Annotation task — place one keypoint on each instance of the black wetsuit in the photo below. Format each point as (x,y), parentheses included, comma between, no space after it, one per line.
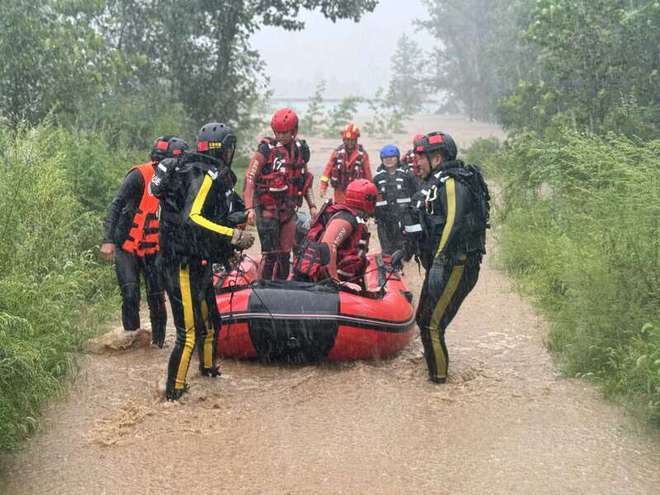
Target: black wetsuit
(451,250)
(193,193)
(129,266)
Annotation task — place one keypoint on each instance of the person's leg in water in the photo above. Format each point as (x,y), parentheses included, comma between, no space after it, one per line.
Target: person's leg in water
(436,311)
(127,267)
(208,327)
(184,283)
(156,299)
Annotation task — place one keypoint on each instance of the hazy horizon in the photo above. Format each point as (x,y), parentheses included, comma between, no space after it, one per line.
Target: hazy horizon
(320,51)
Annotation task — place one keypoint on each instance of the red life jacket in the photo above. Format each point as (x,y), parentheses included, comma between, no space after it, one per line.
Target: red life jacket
(345,171)
(351,254)
(283,179)
(143,236)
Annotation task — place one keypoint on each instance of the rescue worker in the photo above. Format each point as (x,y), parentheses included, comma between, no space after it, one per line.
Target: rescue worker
(277,180)
(347,163)
(409,160)
(131,238)
(193,192)
(396,187)
(454,211)
(337,243)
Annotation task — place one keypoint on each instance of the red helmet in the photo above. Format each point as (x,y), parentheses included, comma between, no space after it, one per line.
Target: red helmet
(417,137)
(351,131)
(284,120)
(361,194)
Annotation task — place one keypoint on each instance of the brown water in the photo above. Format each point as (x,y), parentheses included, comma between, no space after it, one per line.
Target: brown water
(506,422)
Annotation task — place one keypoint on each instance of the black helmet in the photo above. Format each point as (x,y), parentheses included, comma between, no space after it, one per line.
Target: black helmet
(217,140)
(437,141)
(167,147)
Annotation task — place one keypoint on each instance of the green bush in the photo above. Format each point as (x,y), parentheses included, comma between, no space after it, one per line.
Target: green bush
(481,150)
(53,294)
(580,229)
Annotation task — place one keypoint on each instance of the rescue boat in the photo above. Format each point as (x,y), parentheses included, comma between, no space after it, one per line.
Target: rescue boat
(296,322)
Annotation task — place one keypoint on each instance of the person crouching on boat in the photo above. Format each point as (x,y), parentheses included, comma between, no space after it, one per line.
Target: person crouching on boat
(337,243)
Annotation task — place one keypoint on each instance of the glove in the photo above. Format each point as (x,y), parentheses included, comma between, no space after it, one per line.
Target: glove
(397,259)
(242,239)
(436,276)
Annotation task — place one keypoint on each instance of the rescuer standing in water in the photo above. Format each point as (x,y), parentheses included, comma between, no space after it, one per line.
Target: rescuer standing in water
(453,206)
(193,192)
(131,237)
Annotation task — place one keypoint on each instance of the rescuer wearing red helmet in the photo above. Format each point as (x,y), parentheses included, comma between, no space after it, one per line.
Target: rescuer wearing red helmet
(347,163)
(337,243)
(277,180)
(131,237)
(453,206)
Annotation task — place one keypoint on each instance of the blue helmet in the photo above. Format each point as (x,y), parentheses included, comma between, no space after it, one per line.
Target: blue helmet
(389,150)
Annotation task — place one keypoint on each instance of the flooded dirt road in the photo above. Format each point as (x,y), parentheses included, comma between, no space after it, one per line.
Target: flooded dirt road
(506,422)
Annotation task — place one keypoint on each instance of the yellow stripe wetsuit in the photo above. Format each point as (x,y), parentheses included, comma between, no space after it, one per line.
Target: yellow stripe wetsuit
(451,274)
(189,277)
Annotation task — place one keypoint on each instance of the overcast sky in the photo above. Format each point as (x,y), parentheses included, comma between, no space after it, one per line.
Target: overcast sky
(353,58)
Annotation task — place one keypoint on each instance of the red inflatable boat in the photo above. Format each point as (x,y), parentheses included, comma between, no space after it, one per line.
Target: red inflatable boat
(301,322)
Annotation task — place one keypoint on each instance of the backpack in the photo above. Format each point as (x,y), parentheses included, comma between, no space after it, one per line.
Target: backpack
(478,220)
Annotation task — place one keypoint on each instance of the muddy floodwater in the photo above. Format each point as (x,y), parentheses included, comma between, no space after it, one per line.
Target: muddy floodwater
(507,421)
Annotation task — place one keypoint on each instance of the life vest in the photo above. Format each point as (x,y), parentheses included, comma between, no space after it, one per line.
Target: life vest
(344,170)
(283,179)
(394,193)
(143,237)
(351,254)
(472,236)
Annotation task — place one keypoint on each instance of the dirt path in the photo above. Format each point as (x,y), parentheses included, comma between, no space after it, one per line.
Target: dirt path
(506,423)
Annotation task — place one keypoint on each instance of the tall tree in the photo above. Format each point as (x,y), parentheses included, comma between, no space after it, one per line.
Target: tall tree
(201,48)
(463,65)
(406,91)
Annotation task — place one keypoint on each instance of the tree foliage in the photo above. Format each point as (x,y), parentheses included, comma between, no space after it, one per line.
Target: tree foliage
(50,60)
(590,64)
(72,55)
(406,92)
(464,64)
(594,59)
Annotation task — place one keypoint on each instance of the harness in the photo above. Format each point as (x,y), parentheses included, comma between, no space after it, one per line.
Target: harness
(143,236)
(283,179)
(351,254)
(472,237)
(344,170)
(393,193)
